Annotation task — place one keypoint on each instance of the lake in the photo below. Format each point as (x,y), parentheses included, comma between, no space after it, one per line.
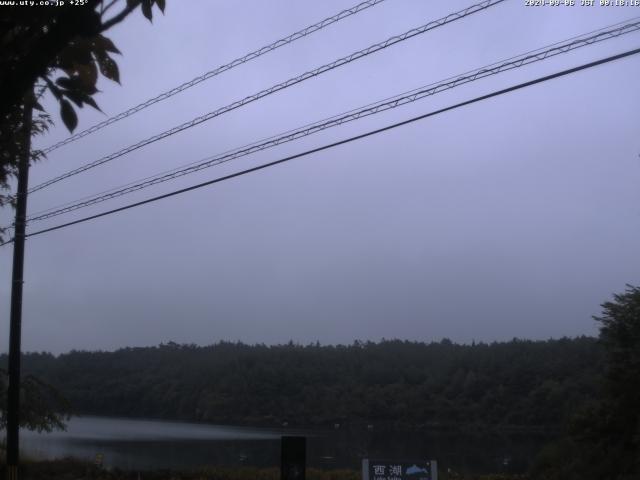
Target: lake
(147,444)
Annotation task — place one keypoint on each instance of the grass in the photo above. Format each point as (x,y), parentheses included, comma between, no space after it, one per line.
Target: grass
(72,469)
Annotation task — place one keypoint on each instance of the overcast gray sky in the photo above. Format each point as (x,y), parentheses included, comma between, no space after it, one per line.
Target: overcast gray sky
(515,217)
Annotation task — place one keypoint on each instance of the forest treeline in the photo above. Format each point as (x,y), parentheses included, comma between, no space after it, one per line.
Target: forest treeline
(531,384)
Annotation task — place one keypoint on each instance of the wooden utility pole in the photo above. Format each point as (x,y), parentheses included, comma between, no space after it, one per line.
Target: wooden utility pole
(15,327)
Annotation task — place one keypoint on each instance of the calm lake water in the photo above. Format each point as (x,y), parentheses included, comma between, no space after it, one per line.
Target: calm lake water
(146,444)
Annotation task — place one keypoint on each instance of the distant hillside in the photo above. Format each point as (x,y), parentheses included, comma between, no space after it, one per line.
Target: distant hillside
(510,384)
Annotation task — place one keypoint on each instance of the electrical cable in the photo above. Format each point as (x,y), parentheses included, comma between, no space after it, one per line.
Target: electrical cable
(371,109)
(276,88)
(218,70)
(344,141)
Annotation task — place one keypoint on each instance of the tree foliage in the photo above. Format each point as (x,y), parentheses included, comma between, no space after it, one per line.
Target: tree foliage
(613,428)
(42,407)
(604,439)
(61,50)
(520,383)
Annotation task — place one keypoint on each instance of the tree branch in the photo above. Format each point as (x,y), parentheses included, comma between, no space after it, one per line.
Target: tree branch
(131,6)
(104,9)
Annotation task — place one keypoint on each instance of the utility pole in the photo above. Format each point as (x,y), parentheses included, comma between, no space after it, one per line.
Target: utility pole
(15,327)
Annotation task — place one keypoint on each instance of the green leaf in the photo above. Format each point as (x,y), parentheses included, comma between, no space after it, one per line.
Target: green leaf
(78,52)
(76,92)
(88,76)
(90,101)
(67,83)
(55,90)
(74,96)
(109,68)
(68,115)
(83,81)
(105,44)
(146,9)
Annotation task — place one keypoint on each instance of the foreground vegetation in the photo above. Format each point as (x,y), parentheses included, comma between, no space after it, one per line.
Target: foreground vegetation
(73,469)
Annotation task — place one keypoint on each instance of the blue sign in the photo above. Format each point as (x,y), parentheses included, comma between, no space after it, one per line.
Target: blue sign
(399,470)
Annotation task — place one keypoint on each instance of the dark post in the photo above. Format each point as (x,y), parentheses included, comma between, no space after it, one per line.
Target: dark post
(293,459)
(13,404)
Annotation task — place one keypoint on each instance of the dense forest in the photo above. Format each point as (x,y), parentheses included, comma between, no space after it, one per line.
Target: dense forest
(516,384)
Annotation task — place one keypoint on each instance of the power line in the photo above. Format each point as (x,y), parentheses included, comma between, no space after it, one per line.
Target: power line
(309,129)
(372,109)
(600,31)
(347,140)
(280,86)
(218,70)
